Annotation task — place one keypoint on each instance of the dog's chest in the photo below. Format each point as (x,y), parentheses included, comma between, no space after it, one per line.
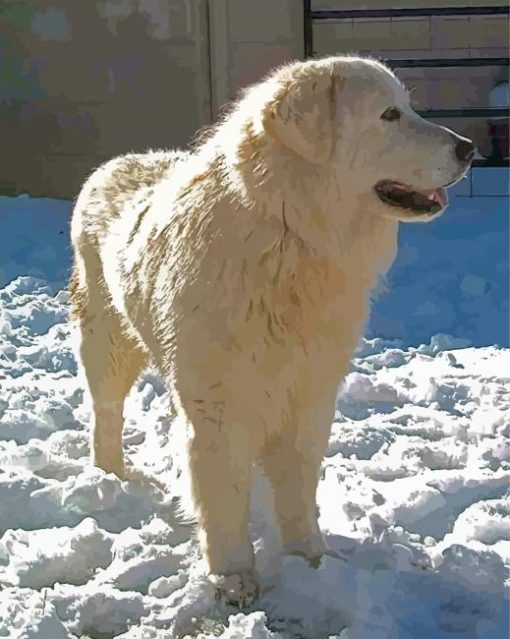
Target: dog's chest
(308,300)
(286,309)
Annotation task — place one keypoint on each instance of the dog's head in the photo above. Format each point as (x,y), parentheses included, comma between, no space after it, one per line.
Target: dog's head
(352,117)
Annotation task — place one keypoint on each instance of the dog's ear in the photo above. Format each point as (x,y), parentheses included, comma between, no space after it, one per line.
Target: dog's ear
(300,115)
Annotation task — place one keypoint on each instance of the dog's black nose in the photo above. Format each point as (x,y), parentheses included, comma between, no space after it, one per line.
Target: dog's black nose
(464,150)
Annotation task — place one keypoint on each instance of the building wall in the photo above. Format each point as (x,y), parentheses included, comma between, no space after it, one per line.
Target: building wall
(81,82)
(426,37)
(84,81)
(396,4)
(259,36)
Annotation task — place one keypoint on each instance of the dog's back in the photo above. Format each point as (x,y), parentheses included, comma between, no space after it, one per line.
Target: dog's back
(106,196)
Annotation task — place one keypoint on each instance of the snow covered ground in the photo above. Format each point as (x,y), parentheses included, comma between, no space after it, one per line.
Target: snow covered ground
(414,492)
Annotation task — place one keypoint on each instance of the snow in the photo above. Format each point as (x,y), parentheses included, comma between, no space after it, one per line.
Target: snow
(414,500)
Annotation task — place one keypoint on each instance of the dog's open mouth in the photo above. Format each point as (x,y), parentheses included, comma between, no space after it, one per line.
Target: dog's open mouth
(404,196)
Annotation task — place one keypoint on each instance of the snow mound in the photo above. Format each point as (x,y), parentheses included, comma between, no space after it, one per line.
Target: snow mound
(47,556)
(413,495)
(413,502)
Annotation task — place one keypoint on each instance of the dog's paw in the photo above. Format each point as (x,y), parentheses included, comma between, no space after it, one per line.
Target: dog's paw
(111,467)
(137,476)
(239,589)
(310,548)
(315,560)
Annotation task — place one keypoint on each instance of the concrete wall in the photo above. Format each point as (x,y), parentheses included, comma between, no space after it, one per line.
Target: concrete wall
(82,81)
(259,35)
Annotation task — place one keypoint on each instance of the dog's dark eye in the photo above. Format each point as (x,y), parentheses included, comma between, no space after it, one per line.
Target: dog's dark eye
(391,114)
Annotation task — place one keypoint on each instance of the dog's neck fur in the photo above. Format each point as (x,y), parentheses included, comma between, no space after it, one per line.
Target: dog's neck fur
(326,221)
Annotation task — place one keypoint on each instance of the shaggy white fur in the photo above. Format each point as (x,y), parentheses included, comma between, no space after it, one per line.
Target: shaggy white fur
(243,270)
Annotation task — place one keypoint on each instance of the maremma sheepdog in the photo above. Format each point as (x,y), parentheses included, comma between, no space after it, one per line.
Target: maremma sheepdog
(242,270)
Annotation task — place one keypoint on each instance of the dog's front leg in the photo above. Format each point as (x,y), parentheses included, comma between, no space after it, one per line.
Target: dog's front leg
(292,463)
(220,460)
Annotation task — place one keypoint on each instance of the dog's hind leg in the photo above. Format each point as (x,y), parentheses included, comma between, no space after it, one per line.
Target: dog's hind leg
(112,361)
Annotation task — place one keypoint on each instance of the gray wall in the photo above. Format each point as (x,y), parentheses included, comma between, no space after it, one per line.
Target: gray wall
(82,81)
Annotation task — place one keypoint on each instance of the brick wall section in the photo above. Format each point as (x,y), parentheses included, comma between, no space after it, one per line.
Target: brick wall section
(427,37)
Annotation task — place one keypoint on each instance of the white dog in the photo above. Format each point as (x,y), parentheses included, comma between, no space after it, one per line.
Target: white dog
(242,270)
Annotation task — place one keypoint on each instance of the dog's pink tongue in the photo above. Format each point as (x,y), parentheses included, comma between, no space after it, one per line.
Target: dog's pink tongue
(438,195)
